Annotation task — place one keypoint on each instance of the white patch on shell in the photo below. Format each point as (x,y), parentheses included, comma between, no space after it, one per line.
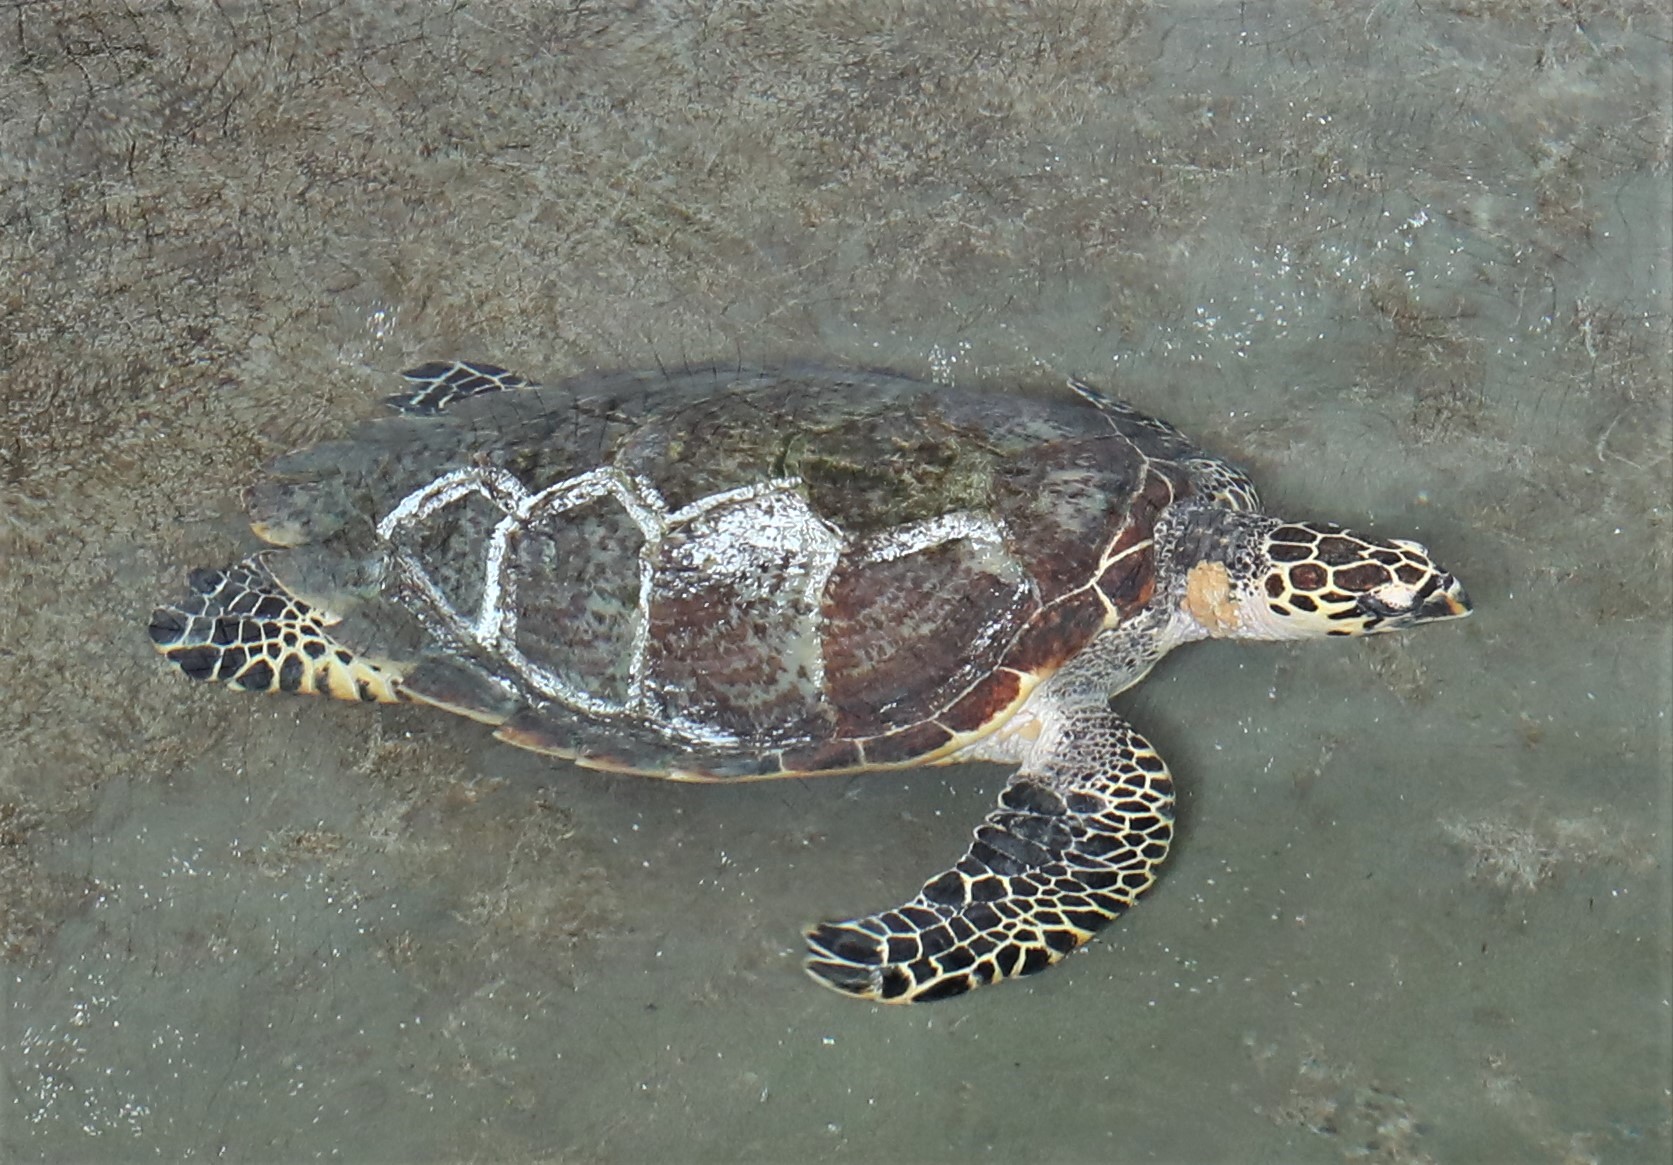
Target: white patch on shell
(760,539)
(496,485)
(493,625)
(496,622)
(960,526)
(751,534)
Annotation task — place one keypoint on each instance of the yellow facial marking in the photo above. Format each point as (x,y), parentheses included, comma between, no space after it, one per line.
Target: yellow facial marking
(1208,597)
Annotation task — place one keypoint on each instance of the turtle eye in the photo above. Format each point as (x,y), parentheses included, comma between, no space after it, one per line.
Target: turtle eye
(1371,605)
(1399,605)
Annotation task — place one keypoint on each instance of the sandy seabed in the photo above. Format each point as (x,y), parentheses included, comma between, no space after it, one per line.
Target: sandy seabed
(1410,264)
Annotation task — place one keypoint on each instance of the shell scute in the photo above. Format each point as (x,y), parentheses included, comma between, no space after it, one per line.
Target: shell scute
(1130,579)
(732,640)
(1060,508)
(985,703)
(1057,633)
(578,595)
(902,637)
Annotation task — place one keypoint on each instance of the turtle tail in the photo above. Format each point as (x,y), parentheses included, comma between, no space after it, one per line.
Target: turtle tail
(239,626)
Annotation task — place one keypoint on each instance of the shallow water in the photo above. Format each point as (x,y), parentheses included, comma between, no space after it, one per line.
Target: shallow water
(1411,265)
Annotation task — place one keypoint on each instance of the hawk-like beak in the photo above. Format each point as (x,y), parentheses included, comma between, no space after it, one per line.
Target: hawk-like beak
(1448,602)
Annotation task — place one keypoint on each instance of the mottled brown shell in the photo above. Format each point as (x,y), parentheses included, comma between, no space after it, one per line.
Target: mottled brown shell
(772,571)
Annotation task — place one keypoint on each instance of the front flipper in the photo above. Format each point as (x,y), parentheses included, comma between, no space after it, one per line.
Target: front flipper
(1076,839)
(439,384)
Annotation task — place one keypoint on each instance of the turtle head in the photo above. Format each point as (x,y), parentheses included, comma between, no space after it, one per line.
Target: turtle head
(1300,580)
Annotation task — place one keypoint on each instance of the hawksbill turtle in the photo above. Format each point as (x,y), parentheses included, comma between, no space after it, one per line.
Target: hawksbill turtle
(727,574)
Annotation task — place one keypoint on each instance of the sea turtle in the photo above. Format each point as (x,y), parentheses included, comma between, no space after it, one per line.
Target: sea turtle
(724,574)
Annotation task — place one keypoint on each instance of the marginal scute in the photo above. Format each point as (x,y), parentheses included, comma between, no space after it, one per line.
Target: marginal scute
(827,756)
(461,687)
(1159,492)
(908,744)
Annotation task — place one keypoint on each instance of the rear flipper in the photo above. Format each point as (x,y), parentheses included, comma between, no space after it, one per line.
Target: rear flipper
(1076,839)
(241,627)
